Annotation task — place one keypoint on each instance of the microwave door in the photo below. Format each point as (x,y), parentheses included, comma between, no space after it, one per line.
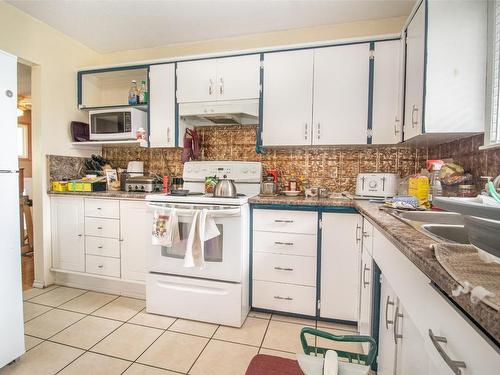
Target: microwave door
(110,125)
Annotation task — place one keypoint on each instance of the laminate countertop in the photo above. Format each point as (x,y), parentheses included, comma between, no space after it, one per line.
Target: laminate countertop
(412,243)
(104,194)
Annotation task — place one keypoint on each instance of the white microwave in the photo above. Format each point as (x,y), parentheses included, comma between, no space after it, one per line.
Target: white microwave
(116,123)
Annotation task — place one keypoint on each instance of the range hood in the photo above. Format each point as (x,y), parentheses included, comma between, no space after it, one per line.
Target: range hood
(233,112)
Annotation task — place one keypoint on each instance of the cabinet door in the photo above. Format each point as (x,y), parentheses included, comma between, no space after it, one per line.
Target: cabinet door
(340,258)
(196,81)
(414,94)
(340,110)
(387,93)
(238,78)
(288,95)
(162,105)
(68,243)
(135,228)
(412,358)
(386,360)
(365,308)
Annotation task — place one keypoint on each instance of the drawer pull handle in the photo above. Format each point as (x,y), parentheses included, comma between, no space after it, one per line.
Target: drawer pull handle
(365,283)
(100,266)
(395,326)
(283,243)
(99,208)
(283,269)
(358,227)
(99,247)
(283,298)
(99,228)
(455,366)
(80,235)
(387,303)
(283,221)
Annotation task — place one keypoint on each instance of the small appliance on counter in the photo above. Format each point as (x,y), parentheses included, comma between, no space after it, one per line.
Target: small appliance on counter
(135,168)
(143,184)
(376,185)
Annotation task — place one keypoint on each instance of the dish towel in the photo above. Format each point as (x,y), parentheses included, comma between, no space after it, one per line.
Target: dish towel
(203,228)
(165,227)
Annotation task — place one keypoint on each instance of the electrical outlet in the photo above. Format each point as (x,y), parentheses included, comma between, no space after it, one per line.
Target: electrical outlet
(335,172)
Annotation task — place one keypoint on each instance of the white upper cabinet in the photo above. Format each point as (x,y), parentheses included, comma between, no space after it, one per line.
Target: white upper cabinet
(227,78)
(340,109)
(340,259)
(414,94)
(387,117)
(446,49)
(288,97)
(196,81)
(238,77)
(162,105)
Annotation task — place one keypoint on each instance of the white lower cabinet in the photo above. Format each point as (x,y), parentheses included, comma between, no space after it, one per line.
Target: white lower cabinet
(100,236)
(67,225)
(433,337)
(135,227)
(386,360)
(340,257)
(366,291)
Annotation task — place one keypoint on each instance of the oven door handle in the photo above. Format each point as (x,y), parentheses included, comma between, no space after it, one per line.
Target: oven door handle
(223,212)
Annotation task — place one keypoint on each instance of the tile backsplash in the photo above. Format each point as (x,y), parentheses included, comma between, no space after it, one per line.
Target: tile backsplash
(466,152)
(334,167)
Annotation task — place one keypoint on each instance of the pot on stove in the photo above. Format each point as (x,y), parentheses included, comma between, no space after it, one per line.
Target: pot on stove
(225,188)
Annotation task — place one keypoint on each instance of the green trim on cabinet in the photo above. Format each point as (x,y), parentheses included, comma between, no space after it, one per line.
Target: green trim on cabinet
(371,82)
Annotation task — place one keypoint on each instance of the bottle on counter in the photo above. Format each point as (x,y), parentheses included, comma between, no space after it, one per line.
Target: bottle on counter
(133,93)
(292,184)
(143,93)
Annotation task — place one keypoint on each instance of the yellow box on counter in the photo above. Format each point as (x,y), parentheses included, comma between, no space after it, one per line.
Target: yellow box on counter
(59,186)
(87,185)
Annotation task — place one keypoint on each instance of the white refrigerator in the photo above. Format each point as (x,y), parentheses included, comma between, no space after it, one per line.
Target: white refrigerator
(11,311)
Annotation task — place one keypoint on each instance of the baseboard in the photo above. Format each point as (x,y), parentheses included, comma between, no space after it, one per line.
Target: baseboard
(38,284)
(105,285)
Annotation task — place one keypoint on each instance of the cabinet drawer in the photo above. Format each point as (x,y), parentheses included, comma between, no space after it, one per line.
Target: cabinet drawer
(285,221)
(102,208)
(284,297)
(102,246)
(102,265)
(285,243)
(102,227)
(291,269)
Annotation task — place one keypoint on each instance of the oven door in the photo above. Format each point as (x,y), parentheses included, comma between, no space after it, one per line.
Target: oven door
(109,125)
(223,254)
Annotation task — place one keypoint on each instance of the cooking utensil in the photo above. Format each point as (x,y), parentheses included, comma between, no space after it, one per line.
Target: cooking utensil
(225,188)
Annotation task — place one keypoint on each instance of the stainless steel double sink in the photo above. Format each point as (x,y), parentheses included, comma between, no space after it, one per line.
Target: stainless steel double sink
(442,226)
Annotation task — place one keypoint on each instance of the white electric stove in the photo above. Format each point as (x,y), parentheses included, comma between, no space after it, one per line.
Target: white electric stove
(217,293)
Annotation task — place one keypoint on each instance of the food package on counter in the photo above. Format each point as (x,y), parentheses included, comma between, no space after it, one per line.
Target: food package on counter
(210,183)
(88,184)
(59,185)
(452,174)
(418,187)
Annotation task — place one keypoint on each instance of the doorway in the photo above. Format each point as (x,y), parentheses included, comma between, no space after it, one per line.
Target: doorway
(24,152)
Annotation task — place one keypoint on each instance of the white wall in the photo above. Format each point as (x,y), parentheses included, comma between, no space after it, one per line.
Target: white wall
(57,59)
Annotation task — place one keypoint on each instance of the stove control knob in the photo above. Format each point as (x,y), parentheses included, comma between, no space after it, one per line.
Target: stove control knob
(253,170)
(142,187)
(244,170)
(372,184)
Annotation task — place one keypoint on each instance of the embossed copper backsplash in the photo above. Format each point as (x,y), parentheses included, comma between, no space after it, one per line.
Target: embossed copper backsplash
(333,167)
(466,152)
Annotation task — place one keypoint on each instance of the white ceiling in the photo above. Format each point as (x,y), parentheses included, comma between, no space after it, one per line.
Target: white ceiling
(114,25)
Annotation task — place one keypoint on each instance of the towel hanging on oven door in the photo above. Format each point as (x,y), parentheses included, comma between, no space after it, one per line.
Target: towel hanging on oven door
(203,228)
(165,227)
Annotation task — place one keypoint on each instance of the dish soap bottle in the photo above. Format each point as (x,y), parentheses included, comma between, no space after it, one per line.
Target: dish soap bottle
(133,93)
(418,187)
(143,93)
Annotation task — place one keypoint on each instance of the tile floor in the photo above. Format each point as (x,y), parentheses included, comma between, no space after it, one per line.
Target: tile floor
(74,331)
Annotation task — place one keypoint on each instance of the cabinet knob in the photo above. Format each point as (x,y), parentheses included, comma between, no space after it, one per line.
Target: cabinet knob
(99,228)
(100,266)
(80,235)
(99,247)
